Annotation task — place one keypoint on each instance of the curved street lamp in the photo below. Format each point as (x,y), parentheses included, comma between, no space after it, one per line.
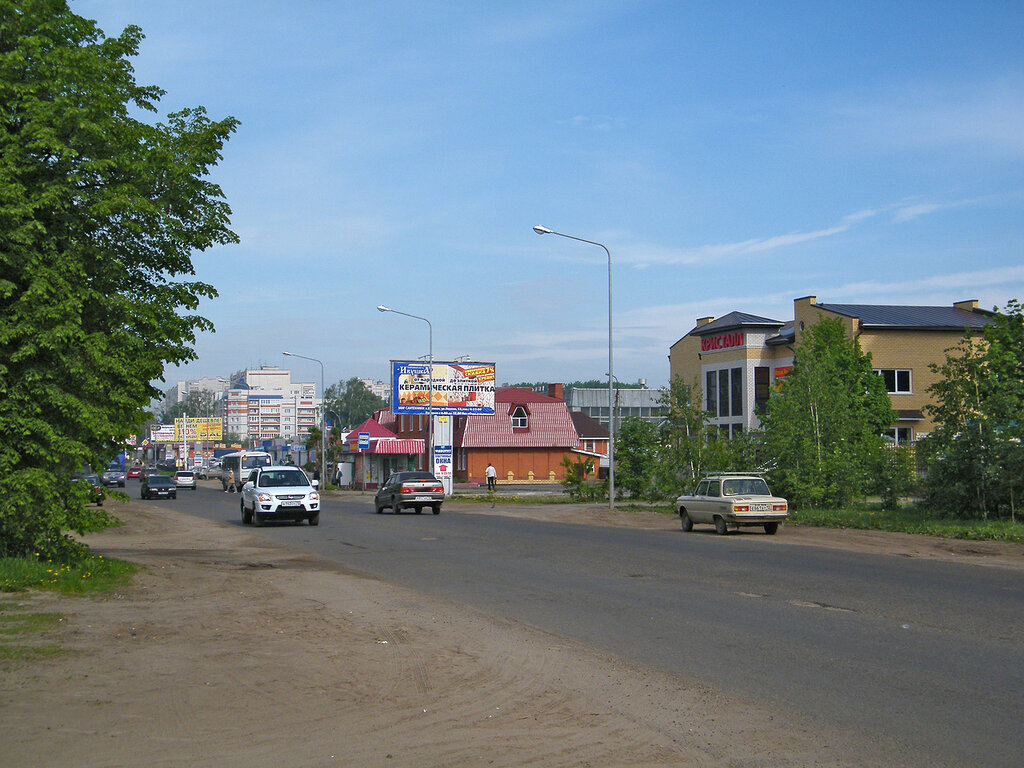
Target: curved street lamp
(323,420)
(611,415)
(430,402)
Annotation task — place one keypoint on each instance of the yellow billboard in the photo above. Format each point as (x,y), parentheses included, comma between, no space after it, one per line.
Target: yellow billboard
(194,430)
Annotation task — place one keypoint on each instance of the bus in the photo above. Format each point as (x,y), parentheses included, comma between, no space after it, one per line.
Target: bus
(238,466)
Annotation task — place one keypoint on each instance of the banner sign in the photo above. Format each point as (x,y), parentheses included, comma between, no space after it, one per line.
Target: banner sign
(443,462)
(164,433)
(459,389)
(197,429)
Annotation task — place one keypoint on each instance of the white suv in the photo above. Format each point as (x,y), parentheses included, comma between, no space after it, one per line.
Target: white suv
(280,493)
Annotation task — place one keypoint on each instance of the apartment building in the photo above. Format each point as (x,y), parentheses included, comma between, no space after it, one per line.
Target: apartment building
(264,404)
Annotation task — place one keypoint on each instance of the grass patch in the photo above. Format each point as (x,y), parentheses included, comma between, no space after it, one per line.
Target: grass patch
(544,498)
(94,574)
(20,634)
(909,519)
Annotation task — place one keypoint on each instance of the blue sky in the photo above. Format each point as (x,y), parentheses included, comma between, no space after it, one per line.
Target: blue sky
(732,156)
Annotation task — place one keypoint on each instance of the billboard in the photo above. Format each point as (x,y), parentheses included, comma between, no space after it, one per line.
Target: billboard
(460,389)
(189,429)
(163,433)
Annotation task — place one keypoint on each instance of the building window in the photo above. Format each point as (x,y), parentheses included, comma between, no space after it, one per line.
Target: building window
(712,392)
(897,380)
(737,392)
(899,435)
(520,419)
(762,387)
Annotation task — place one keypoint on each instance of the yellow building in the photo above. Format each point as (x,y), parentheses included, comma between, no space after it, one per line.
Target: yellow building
(737,359)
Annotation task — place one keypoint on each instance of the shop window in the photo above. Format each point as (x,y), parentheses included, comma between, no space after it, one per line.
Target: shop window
(762,387)
(897,380)
(723,392)
(712,392)
(737,392)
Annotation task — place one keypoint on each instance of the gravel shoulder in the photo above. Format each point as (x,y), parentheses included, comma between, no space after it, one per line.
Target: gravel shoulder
(228,650)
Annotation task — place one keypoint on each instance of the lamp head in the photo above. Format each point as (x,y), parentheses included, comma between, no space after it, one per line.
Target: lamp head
(382,308)
(542,230)
(287,353)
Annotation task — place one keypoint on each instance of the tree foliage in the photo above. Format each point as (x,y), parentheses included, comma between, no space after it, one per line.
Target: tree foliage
(197,404)
(975,455)
(823,427)
(100,214)
(352,402)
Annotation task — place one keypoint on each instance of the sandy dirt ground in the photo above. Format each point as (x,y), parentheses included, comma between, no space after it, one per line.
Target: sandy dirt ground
(230,651)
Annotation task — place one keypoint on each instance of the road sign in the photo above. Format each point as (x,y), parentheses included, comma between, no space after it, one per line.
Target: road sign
(364,441)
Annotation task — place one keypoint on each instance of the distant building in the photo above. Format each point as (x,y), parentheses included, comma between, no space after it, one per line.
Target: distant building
(739,358)
(215,386)
(379,388)
(630,402)
(264,404)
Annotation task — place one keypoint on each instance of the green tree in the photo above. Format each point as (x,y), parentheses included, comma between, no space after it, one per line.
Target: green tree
(823,428)
(636,457)
(100,214)
(352,402)
(689,444)
(975,454)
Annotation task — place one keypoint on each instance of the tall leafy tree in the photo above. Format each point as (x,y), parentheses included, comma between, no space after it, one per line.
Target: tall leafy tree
(823,428)
(352,402)
(975,455)
(100,213)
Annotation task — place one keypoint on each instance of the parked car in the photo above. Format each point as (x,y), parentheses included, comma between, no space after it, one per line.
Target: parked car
(279,493)
(730,500)
(134,472)
(410,489)
(94,482)
(157,487)
(185,478)
(113,476)
(207,472)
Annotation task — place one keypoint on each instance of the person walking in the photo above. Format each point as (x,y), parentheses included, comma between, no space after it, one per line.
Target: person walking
(492,476)
(231,481)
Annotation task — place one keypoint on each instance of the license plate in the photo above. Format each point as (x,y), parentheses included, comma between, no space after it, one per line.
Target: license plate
(290,504)
(423,498)
(761,507)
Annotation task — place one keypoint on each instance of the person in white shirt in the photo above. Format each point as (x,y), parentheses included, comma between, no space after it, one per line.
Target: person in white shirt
(492,477)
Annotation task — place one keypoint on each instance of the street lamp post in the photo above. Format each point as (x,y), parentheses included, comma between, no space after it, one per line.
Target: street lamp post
(335,415)
(611,415)
(430,401)
(323,418)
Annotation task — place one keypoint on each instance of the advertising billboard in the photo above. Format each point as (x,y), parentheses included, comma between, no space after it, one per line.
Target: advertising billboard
(459,389)
(193,430)
(164,433)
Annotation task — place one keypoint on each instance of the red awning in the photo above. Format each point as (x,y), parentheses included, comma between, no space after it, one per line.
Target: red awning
(407,446)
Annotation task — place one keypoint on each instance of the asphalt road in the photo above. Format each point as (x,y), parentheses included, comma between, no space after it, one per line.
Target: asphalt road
(923,657)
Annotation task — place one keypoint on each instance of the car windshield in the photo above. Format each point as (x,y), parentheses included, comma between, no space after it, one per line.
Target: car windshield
(405,477)
(285,478)
(748,486)
(159,480)
(186,475)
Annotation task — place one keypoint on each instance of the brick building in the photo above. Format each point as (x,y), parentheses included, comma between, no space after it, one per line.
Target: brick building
(737,359)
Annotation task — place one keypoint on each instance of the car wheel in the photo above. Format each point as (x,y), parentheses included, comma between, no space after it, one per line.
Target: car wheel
(315,519)
(419,510)
(257,519)
(396,508)
(246,514)
(378,508)
(720,527)
(174,495)
(686,521)
(771,528)
(436,509)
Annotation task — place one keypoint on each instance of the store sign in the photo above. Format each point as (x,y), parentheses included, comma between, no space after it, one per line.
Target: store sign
(443,462)
(723,341)
(458,389)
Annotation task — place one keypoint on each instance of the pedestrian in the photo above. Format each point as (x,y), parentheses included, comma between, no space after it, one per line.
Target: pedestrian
(231,481)
(492,476)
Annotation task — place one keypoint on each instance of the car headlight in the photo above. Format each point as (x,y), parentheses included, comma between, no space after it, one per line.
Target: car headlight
(314,496)
(266,498)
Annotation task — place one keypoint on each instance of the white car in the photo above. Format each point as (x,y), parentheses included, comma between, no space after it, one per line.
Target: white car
(280,493)
(730,500)
(185,478)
